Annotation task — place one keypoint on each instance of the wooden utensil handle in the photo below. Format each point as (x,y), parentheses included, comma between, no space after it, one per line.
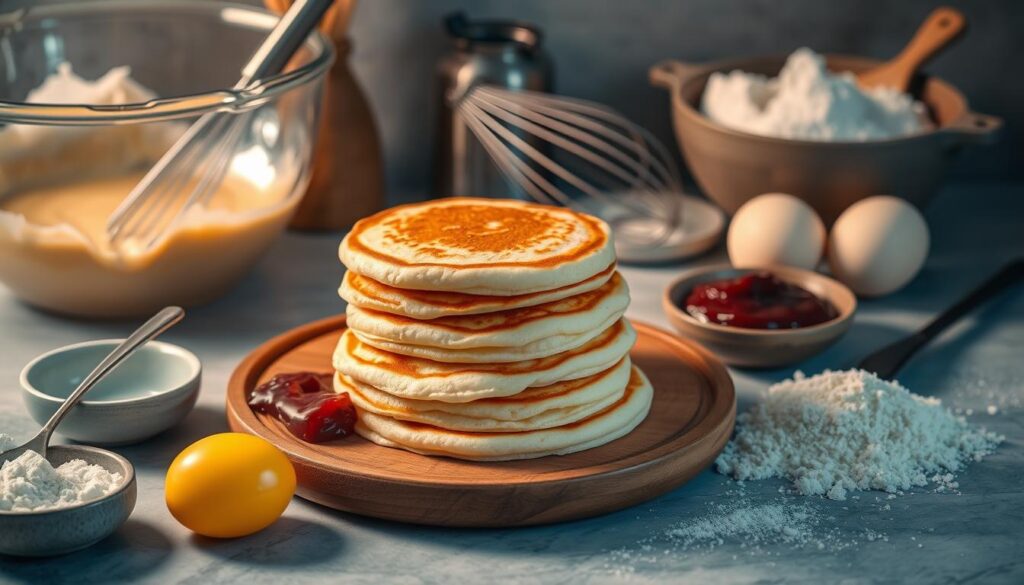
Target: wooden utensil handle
(941,27)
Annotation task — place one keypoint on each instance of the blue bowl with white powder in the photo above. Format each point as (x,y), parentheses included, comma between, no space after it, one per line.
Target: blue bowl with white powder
(74,499)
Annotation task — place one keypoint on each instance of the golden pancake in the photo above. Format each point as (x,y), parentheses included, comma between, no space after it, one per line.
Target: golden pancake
(605,426)
(537,408)
(366,293)
(586,312)
(543,348)
(423,379)
(496,247)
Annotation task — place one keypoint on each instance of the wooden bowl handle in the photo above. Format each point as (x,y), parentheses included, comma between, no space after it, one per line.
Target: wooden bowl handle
(672,74)
(975,128)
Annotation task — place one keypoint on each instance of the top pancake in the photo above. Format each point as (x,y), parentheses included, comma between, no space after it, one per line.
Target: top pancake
(478,246)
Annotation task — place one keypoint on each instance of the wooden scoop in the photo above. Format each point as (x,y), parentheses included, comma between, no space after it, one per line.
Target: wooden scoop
(942,27)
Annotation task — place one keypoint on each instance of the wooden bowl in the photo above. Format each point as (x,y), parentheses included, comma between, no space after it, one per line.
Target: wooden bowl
(760,348)
(732,167)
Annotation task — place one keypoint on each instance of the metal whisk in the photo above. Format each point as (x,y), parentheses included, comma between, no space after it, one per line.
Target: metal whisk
(595,160)
(190,172)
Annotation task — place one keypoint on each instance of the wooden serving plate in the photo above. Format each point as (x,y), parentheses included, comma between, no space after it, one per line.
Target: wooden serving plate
(690,422)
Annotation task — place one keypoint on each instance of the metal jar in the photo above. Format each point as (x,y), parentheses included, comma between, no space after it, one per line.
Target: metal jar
(502,53)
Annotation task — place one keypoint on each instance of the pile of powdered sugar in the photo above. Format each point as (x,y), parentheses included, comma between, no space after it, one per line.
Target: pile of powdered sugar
(807,102)
(850,430)
(29,482)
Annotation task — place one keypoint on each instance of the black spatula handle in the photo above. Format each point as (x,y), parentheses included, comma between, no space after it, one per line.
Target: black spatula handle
(888,360)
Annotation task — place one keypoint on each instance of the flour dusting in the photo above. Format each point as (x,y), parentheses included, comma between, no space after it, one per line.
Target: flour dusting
(841,431)
(739,524)
(754,524)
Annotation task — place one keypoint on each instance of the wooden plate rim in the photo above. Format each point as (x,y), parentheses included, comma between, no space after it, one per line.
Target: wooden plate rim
(261,357)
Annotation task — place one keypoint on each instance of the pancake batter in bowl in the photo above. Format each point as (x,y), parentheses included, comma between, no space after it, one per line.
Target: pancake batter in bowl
(85,207)
(54,252)
(59,185)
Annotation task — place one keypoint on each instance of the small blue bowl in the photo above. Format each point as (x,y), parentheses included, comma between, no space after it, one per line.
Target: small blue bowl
(57,531)
(150,392)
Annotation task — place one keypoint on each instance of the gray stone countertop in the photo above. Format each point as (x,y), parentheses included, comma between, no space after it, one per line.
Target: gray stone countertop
(971,534)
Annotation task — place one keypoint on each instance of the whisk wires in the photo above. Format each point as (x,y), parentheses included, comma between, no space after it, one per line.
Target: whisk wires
(558,149)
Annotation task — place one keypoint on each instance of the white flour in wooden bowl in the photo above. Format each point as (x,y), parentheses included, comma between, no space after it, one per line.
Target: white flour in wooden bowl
(29,483)
(807,102)
(850,430)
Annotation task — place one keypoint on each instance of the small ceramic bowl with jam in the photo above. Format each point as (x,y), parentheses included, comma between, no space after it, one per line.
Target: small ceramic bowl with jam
(759,317)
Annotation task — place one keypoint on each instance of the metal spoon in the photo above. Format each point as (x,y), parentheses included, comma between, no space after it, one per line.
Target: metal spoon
(888,360)
(156,325)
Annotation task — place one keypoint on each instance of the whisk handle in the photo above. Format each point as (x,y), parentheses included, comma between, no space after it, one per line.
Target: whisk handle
(282,42)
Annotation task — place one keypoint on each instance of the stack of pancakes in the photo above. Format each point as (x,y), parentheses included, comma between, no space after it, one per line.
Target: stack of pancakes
(487,329)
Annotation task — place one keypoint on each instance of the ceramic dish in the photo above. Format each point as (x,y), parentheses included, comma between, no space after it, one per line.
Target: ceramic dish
(759,348)
(152,391)
(63,530)
(732,167)
(701,227)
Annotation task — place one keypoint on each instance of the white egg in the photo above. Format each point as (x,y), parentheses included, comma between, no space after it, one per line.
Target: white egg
(878,245)
(776,228)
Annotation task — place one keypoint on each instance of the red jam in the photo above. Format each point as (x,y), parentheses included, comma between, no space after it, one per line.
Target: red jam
(758,300)
(307,404)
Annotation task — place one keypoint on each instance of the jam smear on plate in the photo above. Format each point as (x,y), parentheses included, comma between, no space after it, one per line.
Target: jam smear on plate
(759,300)
(307,404)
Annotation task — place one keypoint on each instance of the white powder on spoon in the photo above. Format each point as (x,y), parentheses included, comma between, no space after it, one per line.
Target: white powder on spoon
(29,483)
(807,102)
(850,430)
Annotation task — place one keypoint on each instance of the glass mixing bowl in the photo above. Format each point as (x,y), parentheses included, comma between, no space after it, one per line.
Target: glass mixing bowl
(65,164)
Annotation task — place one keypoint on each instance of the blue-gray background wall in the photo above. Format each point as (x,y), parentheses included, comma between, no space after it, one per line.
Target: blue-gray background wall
(603,48)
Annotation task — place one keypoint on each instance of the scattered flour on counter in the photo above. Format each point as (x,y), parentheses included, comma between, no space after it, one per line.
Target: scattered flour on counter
(748,526)
(984,389)
(755,527)
(29,482)
(807,102)
(850,430)
(754,524)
